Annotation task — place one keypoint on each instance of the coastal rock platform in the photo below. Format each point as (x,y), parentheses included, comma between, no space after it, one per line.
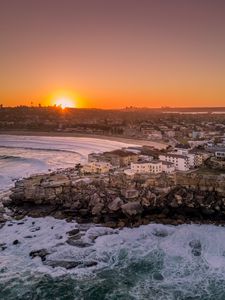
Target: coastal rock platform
(117,201)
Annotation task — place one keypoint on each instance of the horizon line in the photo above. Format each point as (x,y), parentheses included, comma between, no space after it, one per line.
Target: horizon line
(122,108)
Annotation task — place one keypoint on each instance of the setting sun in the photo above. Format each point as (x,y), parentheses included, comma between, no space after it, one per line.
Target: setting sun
(64,102)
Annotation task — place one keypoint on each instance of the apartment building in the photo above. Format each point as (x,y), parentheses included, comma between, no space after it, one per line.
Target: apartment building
(180,162)
(97,167)
(120,158)
(220,154)
(153,167)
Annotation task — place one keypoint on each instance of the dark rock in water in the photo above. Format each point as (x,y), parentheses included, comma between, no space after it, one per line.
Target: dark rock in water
(3,246)
(158,276)
(70,264)
(42,253)
(20,223)
(78,243)
(160,233)
(35,229)
(84,227)
(196,247)
(10,224)
(196,252)
(16,242)
(28,237)
(195,244)
(89,264)
(58,236)
(73,231)
(75,237)
(33,222)
(100,231)
(63,264)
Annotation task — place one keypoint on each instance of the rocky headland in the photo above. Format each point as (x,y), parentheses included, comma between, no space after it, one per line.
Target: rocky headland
(116,200)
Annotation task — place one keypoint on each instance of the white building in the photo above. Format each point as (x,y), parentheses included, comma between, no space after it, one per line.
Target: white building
(220,154)
(168,167)
(97,167)
(194,159)
(179,161)
(153,167)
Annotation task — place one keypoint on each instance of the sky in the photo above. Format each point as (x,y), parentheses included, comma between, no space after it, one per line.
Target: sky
(112,53)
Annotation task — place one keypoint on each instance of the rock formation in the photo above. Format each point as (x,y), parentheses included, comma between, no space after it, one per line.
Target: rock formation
(117,201)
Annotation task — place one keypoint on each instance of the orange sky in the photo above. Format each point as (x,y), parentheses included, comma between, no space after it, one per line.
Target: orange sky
(112,54)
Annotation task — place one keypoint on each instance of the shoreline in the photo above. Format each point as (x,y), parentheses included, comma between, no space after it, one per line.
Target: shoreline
(131,141)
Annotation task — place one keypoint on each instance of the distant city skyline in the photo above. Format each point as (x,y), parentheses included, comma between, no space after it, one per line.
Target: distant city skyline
(112,54)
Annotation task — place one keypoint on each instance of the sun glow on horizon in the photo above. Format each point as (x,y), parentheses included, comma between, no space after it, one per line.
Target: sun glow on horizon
(65,103)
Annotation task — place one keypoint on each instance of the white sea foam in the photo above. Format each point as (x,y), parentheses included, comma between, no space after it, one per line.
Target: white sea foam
(156,258)
(107,245)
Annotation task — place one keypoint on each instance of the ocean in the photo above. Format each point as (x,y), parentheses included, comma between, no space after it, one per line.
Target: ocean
(150,262)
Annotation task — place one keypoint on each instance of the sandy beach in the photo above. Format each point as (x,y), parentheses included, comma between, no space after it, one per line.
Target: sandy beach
(140,142)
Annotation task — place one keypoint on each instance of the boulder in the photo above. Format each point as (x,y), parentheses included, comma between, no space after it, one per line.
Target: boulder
(63,264)
(16,242)
(132,208)
(196,247)
(42,253)
(73,231)
(94,200)
(116,204)
(130,193)
(78,243)
(97,209)
(68,264)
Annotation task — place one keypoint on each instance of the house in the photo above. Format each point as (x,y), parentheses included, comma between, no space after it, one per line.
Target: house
(96,167)
(120,158)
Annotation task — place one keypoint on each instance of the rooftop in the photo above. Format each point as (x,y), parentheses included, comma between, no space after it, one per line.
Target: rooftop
(174,155)
(167,163)
(122,153)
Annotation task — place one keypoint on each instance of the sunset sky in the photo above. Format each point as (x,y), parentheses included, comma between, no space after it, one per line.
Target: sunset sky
(112,53)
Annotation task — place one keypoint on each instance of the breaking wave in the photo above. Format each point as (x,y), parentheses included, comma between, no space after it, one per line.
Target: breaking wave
(149,262)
